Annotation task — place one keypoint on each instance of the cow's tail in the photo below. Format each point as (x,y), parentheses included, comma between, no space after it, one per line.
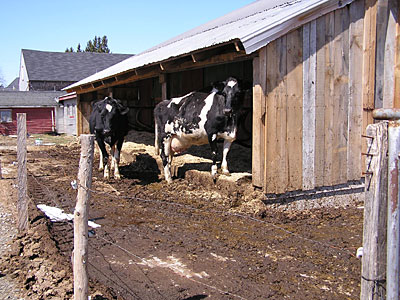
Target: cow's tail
(156,144)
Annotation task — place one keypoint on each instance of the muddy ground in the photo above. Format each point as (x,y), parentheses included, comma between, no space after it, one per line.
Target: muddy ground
(192,239)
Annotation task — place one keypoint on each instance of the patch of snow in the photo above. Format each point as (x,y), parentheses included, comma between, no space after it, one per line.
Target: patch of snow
(57,215)
(174,264)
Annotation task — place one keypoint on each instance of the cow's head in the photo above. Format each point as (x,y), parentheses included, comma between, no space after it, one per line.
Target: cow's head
(230,90)
(108,111)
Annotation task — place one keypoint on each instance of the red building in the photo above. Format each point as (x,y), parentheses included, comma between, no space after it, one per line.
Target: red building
(40,109)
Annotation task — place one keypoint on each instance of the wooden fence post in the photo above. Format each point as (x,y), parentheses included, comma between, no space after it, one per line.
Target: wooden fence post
(393,211)
(80,253)
(375,213)
(22,174)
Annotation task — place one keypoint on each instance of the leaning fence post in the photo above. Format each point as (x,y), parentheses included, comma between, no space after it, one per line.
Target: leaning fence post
(22,174)
(375,208)
(393,224)
(80,253)
(393,209)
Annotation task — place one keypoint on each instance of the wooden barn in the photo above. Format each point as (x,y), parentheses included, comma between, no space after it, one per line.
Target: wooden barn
(40,109)
(318,68)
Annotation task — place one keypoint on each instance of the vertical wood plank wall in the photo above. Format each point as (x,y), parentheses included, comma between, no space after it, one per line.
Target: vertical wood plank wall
(355,91)
(368,72)
(312,86)
(396,45)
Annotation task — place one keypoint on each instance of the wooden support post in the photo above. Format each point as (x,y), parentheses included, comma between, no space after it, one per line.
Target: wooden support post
(375,213)
(162,79)
(393,213)
(22,174)
(80,254)
(79,115)
(259,103)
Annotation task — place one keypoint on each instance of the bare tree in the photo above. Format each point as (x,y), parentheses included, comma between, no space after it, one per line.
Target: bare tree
(2,80)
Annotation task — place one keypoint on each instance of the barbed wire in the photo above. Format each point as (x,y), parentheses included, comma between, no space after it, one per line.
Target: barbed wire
(72,228)
(219,212)
(324,244)
(142,260)
(189,207)
(194,280)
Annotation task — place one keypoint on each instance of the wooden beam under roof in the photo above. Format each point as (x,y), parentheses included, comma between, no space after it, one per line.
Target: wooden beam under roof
(215,55)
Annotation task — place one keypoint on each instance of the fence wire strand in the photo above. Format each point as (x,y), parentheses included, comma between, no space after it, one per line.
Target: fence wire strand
(185,206)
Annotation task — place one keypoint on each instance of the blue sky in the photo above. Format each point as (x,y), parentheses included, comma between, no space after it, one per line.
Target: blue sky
(131,26)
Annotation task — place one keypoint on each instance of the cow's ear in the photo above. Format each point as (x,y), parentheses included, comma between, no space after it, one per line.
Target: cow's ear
(97,105)
(219,86)
(123,110)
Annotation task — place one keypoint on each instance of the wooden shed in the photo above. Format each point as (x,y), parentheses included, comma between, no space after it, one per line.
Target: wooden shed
(318,69)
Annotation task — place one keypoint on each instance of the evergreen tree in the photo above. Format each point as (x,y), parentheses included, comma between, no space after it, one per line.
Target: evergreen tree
(98,44)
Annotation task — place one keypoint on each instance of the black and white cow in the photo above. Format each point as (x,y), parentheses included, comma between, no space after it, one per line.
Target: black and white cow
(196,119)
(109,122)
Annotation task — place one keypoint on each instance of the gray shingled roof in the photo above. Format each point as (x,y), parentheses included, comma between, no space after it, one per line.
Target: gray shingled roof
(67,66)
(10,99)
(14,85)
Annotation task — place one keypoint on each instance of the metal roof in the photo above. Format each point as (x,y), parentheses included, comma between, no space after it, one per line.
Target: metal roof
(254,25)
(9,99)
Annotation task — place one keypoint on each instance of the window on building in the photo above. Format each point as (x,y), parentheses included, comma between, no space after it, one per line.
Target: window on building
(5,116)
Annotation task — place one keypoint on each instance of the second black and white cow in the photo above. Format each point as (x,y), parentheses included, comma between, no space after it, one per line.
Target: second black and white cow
(196,119)
(109,123)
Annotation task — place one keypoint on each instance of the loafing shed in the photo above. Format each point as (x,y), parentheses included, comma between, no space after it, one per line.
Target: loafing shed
(318,69)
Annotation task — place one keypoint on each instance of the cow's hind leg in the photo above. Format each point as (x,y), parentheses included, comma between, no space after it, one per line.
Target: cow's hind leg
(166,156)
(224,165)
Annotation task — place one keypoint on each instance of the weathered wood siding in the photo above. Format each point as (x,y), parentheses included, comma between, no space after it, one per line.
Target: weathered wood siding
(308,100)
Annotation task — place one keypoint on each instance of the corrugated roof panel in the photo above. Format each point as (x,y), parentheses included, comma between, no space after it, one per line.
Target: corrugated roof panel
(255,25)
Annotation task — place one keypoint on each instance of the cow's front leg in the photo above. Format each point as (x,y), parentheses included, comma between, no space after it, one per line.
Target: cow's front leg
(112,157)
(103,158)
(116,158)
(224,165)
(167,159)
(101,162)
(106,169)
(214,152)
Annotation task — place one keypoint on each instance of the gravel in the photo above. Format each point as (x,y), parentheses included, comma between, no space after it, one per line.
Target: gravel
(9,288)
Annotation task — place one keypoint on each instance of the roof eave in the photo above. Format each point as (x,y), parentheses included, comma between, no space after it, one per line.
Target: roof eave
(250,43)
(162,66)
(263,37)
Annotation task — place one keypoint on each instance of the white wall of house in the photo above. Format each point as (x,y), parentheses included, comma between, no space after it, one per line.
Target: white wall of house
(70,116)
(60,127)
(23,76)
